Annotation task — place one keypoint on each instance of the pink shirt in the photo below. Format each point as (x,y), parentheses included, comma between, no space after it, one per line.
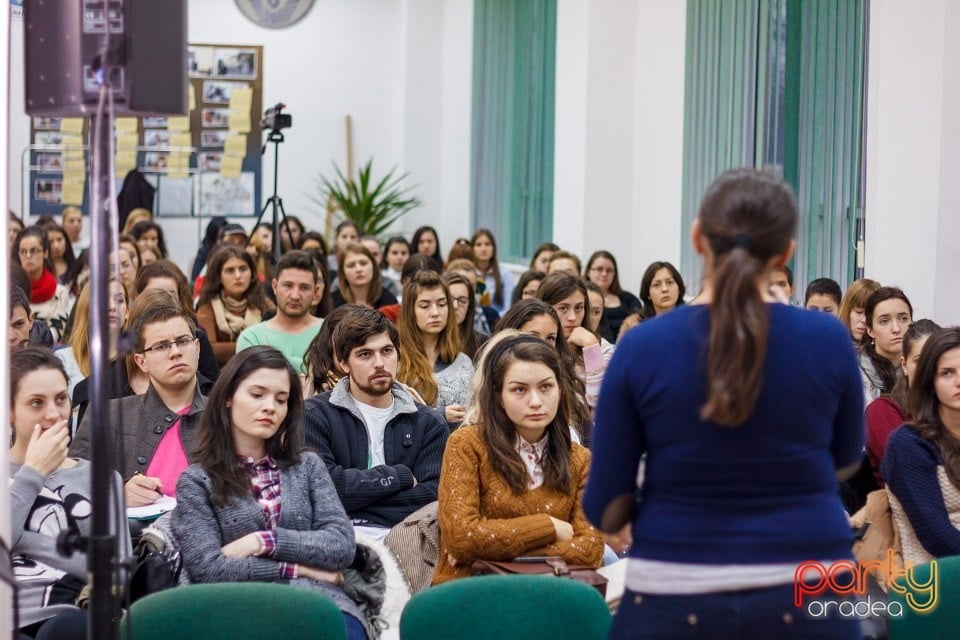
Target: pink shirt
(169,460)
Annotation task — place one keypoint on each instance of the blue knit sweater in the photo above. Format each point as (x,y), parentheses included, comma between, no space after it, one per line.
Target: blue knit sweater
(764,492)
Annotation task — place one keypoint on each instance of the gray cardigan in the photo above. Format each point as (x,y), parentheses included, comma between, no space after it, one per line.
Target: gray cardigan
(313,530)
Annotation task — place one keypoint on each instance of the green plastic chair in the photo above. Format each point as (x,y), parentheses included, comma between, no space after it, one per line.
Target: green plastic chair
(944,620)
(235,610)
(506,607)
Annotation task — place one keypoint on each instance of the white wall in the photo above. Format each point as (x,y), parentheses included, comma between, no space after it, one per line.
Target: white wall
(913,154)
(619,130)
(6,593)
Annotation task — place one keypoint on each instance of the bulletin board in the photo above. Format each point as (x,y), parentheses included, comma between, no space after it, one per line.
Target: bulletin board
(206,163)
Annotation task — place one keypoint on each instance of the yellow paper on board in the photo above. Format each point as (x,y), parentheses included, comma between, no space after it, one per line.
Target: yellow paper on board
(75,165)
(178,123)
(127,141)
(235,144)
(71,125)
(180,140)
(72,192)
(71,140)
(178,165)
(126,125)
(231,166)
(239,121)
(192,97)
(241,98)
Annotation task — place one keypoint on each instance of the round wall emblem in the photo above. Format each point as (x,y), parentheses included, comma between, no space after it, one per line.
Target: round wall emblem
(275,14)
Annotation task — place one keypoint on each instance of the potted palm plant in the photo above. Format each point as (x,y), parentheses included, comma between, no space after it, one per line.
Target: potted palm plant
(373,206)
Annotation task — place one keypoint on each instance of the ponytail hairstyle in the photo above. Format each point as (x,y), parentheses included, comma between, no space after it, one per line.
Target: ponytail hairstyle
(747,218)
(886,370)
(924,405)
(498,433)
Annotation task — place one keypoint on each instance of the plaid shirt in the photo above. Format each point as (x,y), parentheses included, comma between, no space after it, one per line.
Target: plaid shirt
(264,477)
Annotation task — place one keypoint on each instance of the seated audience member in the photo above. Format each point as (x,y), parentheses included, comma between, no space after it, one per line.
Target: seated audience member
(126,263)
(465,309)
(297,287)
(255,506)
(853,308)
(230,301)
(527,285)
(499,282)
(79,273)
(61,251)
(617,304)
(50,494)
(291,230)
(323,304)
(76,357)
(426,242)
(564,261)
(323,372)
(889,411)
(14,227)
(461,250)
(167,276)
(567,294)
(260,249)
(395,254)
(71,219)
(360,279)
(235,234)
(39,335)
(781,284)
(155,433)
(382,450)
(597,321)
(212,238)
(430,358)
(541,257)
(149,254)
(21,319)
(486,317)
(513,482)
(149,233)
(889,313)
(49,300)
(416,262)
(347,232)
(661,289)
(313,241)
(373,246)
(535,317)
(823,294)
(136,215)
(922,460)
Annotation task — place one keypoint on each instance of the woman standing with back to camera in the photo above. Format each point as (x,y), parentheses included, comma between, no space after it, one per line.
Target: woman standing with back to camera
(723,396)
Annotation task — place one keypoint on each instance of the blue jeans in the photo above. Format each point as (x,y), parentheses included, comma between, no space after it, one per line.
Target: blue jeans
(755,614)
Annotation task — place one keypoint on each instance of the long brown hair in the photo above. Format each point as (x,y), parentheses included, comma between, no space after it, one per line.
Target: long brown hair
(80,334)
(213,282)
(925,405)
(856,297)
(375,288)
(415,370)
(497,431)
(747,217)
(493,266)
(216,450)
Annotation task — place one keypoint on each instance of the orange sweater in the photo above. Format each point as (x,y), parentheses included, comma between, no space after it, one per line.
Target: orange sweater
(482,519)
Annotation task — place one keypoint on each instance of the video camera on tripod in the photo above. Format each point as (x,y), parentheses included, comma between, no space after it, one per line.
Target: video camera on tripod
(275,120)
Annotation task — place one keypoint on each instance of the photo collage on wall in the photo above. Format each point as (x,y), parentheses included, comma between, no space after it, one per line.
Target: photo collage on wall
(214,149)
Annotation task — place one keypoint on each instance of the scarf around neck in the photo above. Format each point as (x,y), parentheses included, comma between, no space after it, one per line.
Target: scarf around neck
(43,289)
(233,316)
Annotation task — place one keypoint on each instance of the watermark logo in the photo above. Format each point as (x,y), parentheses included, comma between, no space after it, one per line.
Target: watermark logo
(823,590)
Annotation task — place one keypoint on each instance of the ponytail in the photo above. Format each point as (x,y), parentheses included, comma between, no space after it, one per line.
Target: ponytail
(748,218)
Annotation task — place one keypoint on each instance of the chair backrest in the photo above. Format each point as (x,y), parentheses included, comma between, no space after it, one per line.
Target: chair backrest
(235,610)
(506,607)
(942,617)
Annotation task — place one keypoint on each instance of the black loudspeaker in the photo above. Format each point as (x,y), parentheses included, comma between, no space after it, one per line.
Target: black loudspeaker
(63,41)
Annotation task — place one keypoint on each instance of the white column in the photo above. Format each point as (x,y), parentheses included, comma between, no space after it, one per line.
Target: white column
(913,154)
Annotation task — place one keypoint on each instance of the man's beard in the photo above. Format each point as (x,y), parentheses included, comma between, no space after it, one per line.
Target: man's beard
(380,387)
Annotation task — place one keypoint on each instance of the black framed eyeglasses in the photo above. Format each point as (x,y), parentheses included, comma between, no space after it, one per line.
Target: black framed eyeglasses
(163,348)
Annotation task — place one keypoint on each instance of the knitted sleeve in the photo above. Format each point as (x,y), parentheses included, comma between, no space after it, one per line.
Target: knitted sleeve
(882,417)
(465,532)
(910,468)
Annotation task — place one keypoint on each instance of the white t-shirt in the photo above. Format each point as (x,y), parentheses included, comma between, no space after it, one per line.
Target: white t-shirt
(376,421)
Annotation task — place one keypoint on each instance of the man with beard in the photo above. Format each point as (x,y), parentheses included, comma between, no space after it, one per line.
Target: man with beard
(298,287)
(383,450)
